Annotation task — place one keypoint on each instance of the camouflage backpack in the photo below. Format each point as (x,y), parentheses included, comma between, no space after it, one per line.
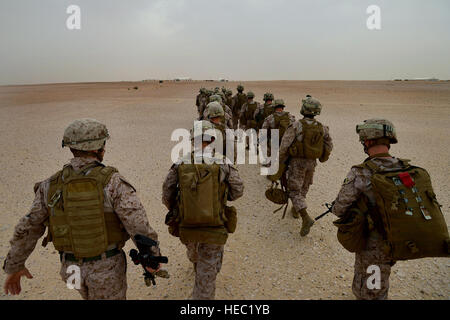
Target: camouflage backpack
(312,144)
(413,224)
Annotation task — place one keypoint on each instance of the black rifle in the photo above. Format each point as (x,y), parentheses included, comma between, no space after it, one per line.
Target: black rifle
(146,258)
(329,206)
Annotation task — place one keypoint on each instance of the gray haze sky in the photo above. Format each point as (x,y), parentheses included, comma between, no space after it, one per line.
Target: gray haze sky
(210,39)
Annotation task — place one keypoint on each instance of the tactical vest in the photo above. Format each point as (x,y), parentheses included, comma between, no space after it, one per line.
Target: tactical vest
(241,98)
(202,197)
(267,110)
(282,122)
(312,144)
(249,121)
(78,221)
(413,224)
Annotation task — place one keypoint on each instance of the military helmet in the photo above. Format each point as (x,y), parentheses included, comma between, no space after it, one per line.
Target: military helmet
(268,96)
(215,97)
(202,90)
(85,135)
(278,103)
(240,87)
(311,106)
(376,128)
(224,90)
(200,127)
(229,93)
(250,95)
(215,110)
(216,90)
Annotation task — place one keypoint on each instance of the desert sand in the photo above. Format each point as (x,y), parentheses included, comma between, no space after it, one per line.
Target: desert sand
(266,258)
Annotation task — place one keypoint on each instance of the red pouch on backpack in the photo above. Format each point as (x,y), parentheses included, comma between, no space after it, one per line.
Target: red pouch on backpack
(406,179)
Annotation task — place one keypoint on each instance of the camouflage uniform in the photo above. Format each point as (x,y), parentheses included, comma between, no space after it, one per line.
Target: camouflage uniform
(236,107)
(300,171)
(242,114)
(101,279)
(201,106)
(269,122)
(228,116)
(355,186)
(206,257)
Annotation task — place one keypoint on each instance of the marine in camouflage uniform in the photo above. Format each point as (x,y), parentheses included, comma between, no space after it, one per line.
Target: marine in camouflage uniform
(248,113)
(227,117)
(264,110)
(238,101)
(229,98)
(357,185)
(207,255)
(201,102)
(300,172)
(104,278)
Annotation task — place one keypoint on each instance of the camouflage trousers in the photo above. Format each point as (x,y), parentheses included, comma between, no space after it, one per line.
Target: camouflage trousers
(104,279)
(372,255)
(207,259)
(299,177)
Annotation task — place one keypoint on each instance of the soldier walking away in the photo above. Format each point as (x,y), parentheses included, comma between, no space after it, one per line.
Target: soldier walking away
(304,142)
(238,101)
(280,120)
(265,110)
(247,119)
(201,102)
(196,196)
(90,211)
(389,212)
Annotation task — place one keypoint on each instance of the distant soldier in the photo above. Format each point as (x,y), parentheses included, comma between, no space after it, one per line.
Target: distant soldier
(238,101)
(198,193)
(388,211)
(229,98)
(202,101)
(304,142)
(265,110)
(247,119)
(90,211)
(228,116)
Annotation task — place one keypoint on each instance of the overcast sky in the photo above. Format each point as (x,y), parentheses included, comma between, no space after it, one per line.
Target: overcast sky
(233,39)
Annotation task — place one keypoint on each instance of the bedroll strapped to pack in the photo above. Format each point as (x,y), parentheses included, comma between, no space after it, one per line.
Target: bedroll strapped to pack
(78,221)
(413,223)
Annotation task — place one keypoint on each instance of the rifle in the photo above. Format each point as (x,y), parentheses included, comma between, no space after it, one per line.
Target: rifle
(146,258)
(329,206)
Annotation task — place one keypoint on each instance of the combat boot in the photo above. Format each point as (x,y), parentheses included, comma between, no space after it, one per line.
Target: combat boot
(307,222)
(294,213)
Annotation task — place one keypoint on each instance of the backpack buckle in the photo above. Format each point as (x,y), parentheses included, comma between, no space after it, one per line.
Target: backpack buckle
(425,213)
(55,198)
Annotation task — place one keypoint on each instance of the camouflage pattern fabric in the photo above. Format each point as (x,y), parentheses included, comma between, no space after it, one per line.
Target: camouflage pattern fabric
(119,195)
(207,259)
(244,110)
(85,134)
(300,171)
(356,184)
(104,279)
(299,178)
(269,122)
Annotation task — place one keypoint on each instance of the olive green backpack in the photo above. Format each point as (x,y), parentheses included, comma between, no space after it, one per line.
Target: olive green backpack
(282,122)
(202,196)
(312,139)
(412,219)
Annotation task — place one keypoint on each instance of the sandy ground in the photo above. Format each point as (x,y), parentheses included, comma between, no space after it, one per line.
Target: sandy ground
(266,258)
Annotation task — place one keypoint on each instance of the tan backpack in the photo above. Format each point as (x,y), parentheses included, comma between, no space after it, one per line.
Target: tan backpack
(78,221)
(202,196)
(413,223)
